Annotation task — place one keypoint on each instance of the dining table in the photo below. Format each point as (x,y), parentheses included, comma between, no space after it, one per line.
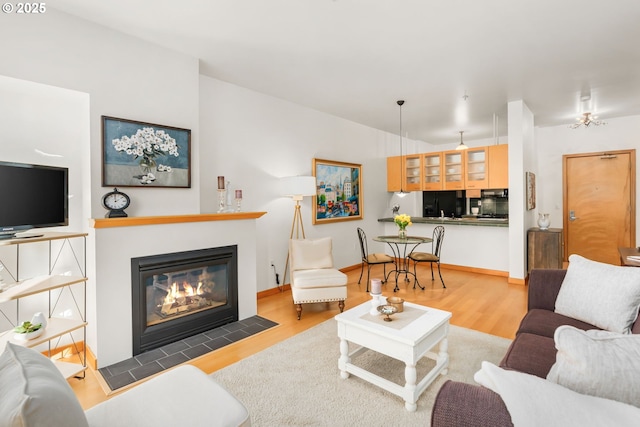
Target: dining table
(402,247)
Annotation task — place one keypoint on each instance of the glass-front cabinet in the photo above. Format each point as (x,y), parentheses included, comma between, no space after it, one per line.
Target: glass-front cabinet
(413,177)
(432,171)
(454,170)
(476,168)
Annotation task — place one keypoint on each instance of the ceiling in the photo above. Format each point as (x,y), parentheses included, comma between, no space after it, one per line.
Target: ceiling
(355,58)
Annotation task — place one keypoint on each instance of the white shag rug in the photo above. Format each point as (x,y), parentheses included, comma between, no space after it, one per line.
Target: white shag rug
(297,382)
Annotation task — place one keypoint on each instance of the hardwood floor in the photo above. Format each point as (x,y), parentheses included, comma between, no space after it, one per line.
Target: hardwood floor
(481,302)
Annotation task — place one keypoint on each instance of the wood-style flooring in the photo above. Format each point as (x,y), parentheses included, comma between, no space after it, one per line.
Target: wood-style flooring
(478,301)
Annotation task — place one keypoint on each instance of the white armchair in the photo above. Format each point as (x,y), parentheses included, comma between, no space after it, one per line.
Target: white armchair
(313,276)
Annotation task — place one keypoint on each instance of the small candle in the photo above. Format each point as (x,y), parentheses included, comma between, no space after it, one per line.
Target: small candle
(238,194)
(221,183)
(376,286)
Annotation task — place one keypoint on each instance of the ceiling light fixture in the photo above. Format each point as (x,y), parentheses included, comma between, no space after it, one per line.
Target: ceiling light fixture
(402,193)
(461,146)
(587,120)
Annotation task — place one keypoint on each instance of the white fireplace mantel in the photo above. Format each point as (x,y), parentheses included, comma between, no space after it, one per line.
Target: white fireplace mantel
(117,240)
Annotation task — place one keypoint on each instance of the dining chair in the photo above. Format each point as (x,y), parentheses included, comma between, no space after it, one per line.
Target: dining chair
(372,259)
(434,256)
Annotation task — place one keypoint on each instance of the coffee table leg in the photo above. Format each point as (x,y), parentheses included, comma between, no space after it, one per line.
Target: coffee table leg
(410,376)
(344,358)
(443,355)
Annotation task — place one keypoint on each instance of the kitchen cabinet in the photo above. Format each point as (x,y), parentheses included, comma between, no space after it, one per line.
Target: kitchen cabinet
(544,248)
(394,165)
(432,171)
(412,172)
(453,170)
(476,168)
(54,285)
(498,166)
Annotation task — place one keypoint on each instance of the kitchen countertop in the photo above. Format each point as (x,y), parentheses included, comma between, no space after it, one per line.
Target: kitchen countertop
(472,221)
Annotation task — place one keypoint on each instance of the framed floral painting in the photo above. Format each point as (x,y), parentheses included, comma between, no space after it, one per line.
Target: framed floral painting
(137,154)
(338,191)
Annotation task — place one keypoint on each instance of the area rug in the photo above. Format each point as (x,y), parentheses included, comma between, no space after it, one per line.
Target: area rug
(297,382)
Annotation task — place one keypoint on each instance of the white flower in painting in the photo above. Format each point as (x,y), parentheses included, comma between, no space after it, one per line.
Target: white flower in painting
(148,144)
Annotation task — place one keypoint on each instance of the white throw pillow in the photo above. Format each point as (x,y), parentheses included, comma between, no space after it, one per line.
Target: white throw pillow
(34,393)
(603,295)
(311,253)
(598,363)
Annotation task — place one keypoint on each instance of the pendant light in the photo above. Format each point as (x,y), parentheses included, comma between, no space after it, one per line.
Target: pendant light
(402,193)
(461,146)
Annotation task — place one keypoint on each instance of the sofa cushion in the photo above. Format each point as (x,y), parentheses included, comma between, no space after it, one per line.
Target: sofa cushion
(545,323)
(183,396)
(311,253)
(598,363)
(34,393)
(531,354)
(604,295)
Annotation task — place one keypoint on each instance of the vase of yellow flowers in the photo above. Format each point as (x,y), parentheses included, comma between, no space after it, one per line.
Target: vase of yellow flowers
(402,221)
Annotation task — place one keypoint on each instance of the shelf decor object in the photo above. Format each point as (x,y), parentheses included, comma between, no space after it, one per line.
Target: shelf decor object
(138,154)
(339,191)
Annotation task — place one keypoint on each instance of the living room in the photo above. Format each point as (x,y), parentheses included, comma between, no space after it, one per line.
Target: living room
(60,74)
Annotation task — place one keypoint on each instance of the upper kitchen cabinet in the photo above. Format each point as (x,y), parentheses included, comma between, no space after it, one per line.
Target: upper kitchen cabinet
(413,172)
(432,171)
(394,166)
(476,168)
(454,170)
(498,166)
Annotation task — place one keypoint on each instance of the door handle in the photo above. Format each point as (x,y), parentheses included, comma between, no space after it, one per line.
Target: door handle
(572,216)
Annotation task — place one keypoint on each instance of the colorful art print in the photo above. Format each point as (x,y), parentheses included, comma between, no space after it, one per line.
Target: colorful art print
(338,191)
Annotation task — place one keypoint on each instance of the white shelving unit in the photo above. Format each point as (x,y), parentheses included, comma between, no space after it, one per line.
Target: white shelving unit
(56,327)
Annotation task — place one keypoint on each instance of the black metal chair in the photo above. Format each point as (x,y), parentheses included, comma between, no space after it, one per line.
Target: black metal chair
(434,256)
(372,259)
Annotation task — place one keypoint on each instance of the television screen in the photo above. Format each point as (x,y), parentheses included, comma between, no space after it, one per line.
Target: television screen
(32,196)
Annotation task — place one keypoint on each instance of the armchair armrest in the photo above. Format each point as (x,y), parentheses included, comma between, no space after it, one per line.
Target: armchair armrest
(544,285)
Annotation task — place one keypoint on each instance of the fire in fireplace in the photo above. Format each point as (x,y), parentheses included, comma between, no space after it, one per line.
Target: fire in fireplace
(181,294)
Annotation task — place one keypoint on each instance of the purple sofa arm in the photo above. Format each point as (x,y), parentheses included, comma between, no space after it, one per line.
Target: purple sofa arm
(544,285)
(466,405)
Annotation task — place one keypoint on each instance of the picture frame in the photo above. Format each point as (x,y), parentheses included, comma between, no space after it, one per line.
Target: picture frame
(140,154)
(531,190)
(338,191)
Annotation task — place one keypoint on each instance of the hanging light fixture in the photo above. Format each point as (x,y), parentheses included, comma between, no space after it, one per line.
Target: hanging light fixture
(461,146)
(401,193)
(587,120)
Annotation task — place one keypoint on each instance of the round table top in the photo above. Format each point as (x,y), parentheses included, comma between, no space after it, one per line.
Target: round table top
(407,240)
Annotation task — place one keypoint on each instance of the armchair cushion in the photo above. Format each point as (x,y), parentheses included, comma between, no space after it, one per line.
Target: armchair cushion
(318,278)
(34,393)
(604,295)
(311,254)
(598,363)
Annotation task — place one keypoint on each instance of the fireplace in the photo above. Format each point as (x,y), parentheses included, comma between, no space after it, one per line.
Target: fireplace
(180,294)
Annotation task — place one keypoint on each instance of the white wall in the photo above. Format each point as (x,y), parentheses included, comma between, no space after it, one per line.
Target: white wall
(554,142)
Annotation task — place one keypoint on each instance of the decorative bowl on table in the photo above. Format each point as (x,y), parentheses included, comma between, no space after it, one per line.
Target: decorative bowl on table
(387,310)
(397,302)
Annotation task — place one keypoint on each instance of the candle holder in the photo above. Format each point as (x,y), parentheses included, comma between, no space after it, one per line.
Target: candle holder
(238,203)
(222,196)
(229,205)
(375,302)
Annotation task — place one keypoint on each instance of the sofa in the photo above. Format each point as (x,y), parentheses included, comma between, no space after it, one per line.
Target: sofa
(34,393)
(534,349)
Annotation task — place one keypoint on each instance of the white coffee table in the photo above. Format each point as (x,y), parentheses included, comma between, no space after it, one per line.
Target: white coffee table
(416,331)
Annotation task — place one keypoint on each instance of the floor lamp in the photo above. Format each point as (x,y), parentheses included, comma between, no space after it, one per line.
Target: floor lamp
(296,187)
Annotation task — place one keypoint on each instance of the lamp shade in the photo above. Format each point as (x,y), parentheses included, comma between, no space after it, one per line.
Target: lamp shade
(298,186)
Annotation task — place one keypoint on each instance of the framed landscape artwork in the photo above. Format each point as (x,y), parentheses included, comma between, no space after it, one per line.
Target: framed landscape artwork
(338,191)
(137,154)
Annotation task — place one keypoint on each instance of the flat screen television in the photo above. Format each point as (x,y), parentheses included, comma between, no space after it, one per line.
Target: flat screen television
(32,196)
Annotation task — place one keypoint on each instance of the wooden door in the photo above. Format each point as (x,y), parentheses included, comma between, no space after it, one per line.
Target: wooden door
(599,204)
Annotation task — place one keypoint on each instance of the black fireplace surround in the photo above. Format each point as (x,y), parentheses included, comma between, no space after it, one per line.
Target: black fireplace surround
(151,275)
